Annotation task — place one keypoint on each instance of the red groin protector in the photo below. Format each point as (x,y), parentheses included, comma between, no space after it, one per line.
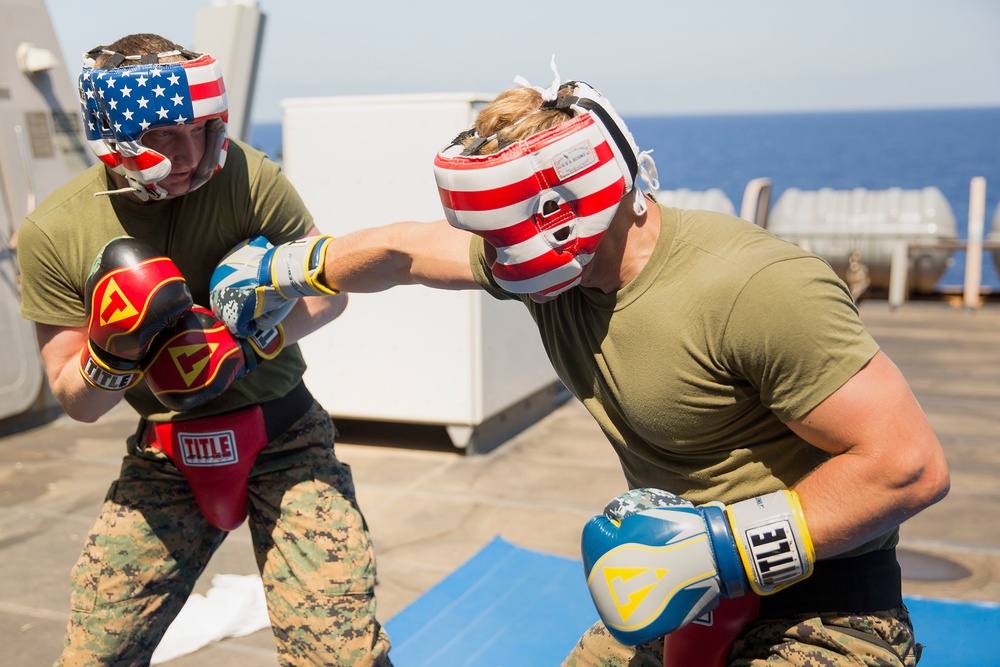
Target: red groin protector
(706,642)
(215,455)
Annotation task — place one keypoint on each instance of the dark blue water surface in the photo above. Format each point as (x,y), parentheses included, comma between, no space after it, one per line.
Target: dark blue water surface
(809,151)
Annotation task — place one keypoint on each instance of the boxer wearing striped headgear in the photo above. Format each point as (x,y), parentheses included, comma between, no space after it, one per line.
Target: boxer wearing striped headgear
(770,448)
(545,202)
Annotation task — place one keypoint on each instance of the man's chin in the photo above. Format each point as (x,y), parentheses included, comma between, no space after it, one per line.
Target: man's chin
(176,187)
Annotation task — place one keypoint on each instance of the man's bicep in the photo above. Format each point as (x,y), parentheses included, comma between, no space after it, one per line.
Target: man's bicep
(51,284)
(874,409)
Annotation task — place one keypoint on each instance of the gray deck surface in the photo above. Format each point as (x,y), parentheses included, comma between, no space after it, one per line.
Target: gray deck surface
(430,508)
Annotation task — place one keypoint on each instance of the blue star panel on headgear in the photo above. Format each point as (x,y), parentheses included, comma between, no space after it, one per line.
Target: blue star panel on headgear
(121,103)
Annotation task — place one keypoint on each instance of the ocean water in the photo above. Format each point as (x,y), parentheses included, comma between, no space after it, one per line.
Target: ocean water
(809,151)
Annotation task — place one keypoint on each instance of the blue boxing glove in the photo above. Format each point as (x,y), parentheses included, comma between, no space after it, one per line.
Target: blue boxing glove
(655,562)
(256,284)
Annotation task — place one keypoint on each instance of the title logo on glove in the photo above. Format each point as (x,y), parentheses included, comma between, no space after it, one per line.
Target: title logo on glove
(773,554)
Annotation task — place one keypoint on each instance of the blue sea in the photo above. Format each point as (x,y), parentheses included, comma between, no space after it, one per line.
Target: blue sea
(874,150)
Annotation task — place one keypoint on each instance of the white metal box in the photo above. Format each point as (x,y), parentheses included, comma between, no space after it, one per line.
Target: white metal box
(411,354)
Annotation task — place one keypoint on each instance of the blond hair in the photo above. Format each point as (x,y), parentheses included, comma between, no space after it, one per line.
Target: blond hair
(514,115)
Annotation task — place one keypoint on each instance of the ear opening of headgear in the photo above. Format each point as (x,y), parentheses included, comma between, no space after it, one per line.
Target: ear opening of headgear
(545,202)
(131,95)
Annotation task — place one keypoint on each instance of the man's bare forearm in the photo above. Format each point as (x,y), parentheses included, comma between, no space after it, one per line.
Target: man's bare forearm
(403,253)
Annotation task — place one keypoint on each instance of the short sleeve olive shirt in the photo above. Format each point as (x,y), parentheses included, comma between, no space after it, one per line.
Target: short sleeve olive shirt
(694,367)
(60,239)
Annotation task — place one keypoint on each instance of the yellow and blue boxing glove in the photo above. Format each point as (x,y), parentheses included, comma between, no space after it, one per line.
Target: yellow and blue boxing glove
(655,562)
(256,284)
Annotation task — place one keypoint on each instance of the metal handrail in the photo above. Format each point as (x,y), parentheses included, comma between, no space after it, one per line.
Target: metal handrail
(974,245)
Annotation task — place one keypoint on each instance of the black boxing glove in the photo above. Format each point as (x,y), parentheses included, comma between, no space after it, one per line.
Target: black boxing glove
(198,359)
(132,294)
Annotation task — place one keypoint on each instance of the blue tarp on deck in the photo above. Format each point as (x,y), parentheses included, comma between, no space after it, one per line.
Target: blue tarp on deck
(513,607)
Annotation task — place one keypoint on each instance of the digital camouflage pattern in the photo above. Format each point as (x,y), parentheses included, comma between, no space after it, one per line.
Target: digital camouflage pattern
(640,500)
(150,544)
(597,648)
(883,639)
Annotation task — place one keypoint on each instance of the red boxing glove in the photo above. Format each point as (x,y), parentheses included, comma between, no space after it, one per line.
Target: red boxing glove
(199,359)
(132,294)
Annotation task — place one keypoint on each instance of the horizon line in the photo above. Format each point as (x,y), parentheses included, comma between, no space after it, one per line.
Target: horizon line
(766,112)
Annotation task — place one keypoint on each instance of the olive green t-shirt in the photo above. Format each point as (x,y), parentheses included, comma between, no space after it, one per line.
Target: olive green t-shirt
(60,239)
(694,367)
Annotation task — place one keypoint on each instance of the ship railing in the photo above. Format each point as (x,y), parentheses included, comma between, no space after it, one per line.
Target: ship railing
(972,288)
(974,246)
(899,261)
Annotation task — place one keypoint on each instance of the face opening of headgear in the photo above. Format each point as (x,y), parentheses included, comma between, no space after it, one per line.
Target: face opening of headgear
(132,95)
(545,202)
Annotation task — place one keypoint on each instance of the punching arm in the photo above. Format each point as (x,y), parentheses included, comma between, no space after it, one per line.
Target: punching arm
(434,254)
(655,562)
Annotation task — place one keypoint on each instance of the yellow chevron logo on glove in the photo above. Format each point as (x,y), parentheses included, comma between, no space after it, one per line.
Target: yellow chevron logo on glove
(630,583)
(115,306)
(191,360)
(633,584)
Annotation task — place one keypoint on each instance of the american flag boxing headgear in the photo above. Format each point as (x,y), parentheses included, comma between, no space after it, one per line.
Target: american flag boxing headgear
(135,94)
(545,202)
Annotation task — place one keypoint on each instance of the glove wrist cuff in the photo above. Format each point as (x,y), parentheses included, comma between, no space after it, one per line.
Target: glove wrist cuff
(773,540)
(98,370)
(297,266)
(732,575)
(267,344)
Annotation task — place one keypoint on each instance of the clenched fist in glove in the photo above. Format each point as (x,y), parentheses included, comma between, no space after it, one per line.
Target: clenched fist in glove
(198,359)
(256,283)
(655,562)
(132,294)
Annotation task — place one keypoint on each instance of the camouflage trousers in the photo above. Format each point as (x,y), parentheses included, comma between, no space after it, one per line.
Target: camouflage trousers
(151,543)
(882,639)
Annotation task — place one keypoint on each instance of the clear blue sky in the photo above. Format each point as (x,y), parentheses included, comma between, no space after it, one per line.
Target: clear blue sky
(656,57)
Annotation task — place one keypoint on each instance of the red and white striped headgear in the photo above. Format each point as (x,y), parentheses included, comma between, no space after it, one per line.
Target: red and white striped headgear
(136,94)
(545,202)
